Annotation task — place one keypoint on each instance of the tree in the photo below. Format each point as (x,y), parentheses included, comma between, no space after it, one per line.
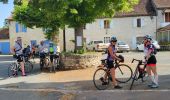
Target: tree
(37,13)
(54,14)
(80,12)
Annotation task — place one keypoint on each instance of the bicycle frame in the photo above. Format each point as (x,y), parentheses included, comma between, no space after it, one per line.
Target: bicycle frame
(139,72)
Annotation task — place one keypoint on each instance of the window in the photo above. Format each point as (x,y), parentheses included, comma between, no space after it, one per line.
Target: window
(138,22)
(106,24)
(96,42)
(106,39)
(20,28)
(167,17)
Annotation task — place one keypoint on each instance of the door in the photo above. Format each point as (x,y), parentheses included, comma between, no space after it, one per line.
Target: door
(5,47)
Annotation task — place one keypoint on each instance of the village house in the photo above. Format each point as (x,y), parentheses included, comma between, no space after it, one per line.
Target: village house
(148,17)
(4,41)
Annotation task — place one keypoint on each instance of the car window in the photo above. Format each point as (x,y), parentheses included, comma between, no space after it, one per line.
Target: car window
(95,42)
(121,43)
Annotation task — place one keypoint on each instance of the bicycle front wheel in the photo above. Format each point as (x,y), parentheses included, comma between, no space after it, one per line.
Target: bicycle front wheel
(123,73)
(12,70)
(28,67)
(98,79)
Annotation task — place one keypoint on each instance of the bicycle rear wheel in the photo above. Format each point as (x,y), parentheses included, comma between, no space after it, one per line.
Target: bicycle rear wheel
(12,70)
(28,67)
(98,79)
(123,73)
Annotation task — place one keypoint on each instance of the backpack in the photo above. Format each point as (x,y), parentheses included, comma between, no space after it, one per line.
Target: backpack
(155,50)
(51,49)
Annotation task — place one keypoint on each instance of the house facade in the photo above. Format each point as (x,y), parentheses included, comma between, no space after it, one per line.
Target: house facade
(4,41)
(29,36)
(148,17)
(163,20)
(128,27)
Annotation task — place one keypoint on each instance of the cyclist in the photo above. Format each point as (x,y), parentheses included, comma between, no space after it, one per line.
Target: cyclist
(43,49)
(151,61)
(33,49)
(52,52)
(110,60)
(17,50)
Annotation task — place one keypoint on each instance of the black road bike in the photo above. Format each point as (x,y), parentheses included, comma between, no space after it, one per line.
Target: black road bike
(123,74)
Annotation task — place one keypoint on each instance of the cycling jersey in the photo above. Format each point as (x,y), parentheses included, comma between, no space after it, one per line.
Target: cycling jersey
(149,47)
(152,59)
(109,58)
(43,49)
(18,48)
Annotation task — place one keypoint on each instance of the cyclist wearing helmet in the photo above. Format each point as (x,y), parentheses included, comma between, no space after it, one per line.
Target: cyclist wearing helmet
(110,59)
(150,61)
(53,54)
(17,50)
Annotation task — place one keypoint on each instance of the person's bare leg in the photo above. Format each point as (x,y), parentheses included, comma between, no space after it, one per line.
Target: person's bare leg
(112,70)
(154,70)
(22,68)
(149,73)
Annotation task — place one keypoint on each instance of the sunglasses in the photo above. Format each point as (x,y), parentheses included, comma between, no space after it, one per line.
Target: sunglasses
(113,41)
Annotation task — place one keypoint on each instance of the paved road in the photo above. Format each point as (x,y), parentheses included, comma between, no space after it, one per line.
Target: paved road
(77,84)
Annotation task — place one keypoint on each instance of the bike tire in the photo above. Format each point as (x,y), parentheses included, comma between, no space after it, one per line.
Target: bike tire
(123,73)
(28,67)
(12,70)
(47,63)
(96,79)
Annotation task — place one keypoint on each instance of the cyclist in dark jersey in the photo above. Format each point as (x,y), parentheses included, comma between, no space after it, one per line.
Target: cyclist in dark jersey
(111,58)
(150,61)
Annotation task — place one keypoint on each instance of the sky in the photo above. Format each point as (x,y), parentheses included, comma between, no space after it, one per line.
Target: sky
(5,11)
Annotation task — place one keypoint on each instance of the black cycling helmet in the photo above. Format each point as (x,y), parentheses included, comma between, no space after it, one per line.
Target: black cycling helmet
(121,57)
(113,39)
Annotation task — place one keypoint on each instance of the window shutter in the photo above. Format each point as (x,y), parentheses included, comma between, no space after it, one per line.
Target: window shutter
(111,24)
(101,24)
(142,22)
(24,28)
(16,27)
(135,22)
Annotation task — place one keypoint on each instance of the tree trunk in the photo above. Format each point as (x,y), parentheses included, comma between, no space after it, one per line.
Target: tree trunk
(64,40)
(78,38)
(55,37)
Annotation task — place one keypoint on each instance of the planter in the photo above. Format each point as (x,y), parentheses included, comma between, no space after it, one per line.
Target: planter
(73,61)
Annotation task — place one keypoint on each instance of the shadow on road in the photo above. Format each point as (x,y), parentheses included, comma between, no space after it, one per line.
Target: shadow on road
(87,85)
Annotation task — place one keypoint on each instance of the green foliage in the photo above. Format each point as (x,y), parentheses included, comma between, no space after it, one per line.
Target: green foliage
(55,14)
(40,13)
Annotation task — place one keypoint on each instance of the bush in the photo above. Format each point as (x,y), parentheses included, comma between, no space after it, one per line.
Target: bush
(164,43)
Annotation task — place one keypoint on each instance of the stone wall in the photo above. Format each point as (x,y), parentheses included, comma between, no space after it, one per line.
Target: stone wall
(80,61)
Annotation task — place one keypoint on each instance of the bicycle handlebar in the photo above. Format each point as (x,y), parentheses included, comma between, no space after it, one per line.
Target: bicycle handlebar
(136,60)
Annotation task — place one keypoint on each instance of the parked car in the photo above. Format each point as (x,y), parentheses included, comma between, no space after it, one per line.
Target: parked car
(140,46)
(97,45)
(122,47)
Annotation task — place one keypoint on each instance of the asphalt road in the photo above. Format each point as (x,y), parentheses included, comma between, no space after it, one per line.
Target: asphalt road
(38,86)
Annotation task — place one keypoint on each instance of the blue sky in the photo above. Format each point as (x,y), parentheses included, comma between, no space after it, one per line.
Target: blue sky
(5,11)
